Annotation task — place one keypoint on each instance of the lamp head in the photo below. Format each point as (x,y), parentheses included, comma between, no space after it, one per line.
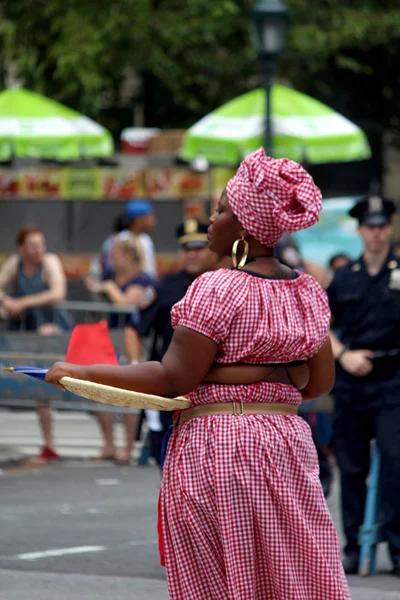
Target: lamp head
(271,22)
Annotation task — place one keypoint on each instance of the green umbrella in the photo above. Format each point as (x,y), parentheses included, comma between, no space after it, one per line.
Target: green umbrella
(304,130)
(33,126)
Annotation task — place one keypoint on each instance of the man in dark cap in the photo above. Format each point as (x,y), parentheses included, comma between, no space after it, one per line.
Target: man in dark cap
(364,297)
(155,320)
(140,219)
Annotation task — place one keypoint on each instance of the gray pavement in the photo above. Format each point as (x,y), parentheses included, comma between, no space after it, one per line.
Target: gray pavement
(86,530)
(55,586)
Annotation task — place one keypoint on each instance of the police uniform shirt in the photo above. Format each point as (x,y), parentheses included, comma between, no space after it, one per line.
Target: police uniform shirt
(366,308)
(157,317)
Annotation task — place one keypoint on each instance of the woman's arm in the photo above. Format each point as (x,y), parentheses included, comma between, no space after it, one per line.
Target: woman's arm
(134,294)
(186,362)
(132,344)
(8,272)
(322,373)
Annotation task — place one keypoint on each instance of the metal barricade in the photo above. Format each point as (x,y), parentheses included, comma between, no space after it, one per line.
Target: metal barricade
(21,347)
(24,347)
(90,312)
(72,313)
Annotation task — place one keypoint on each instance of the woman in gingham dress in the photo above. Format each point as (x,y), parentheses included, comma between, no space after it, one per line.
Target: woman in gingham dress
(243,512)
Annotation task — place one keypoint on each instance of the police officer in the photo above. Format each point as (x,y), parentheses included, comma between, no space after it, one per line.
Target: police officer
(155,320)
(364,297)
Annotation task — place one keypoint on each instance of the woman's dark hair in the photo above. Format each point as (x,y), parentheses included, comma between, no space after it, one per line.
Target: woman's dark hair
(119,224)
(25,232)
(336,257)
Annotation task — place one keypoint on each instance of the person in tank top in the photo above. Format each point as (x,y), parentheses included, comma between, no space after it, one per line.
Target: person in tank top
(36,282)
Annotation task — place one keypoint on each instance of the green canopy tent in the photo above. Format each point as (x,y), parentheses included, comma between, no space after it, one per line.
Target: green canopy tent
(33,126)
(303,128)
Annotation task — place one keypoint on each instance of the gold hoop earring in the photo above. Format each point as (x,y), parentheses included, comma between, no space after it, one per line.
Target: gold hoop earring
(235,247)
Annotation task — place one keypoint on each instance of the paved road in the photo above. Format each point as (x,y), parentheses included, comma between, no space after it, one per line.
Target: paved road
(87,531)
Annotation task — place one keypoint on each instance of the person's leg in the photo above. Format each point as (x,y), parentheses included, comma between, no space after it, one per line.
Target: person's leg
(325,471)
(388,440)
(352,434)
(45,419)
(106,422)
(156,438)
(131,423)
(43,410)
(156,432)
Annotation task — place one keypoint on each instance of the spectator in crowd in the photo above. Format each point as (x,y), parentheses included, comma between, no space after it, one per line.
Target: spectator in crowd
(126,288)
(288,252)
(37,283)
(129,281)
(335,262)
(364,297)
(106,263)
(195,259)
(139,219)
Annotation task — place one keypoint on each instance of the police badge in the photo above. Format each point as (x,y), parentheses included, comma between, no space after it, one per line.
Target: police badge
(394,282)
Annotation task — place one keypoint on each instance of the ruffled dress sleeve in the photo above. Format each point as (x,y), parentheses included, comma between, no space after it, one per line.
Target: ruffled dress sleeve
(206,307)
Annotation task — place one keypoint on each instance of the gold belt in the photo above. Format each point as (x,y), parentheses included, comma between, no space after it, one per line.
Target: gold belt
(235,408)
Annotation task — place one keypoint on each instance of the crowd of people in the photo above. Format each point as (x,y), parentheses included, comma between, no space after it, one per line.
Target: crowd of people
(362,301)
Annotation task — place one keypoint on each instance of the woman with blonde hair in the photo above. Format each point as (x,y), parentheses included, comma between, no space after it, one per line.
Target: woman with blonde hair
(126,288)
(129,281)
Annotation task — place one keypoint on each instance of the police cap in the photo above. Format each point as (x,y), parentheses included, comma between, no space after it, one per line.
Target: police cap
(192,233)
(373,211)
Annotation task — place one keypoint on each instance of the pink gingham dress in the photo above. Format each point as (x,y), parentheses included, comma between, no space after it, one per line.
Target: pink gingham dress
(243,512)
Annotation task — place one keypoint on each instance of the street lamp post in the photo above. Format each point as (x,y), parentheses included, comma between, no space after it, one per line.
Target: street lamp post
(271,22)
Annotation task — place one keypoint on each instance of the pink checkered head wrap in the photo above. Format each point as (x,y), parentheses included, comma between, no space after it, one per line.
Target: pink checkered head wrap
(272,196)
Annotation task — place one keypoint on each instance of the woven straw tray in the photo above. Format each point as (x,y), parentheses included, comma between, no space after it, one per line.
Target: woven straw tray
(106,394)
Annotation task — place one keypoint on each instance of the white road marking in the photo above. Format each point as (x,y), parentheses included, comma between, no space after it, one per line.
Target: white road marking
(109,481)
(143,543)
(85,463)
(77,550)
(60,552)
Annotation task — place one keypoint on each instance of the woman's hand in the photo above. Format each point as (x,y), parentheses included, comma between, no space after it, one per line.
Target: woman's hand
(14,307)
(62,369)
(108,286)
(93,285)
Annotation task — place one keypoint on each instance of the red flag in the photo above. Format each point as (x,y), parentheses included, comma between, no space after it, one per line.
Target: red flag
(91,344)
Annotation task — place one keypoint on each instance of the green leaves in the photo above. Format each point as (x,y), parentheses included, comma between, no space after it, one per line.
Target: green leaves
(182,58)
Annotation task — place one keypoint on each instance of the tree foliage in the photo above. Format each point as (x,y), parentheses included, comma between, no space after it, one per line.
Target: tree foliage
(182,58)
(347,55)
(181,55)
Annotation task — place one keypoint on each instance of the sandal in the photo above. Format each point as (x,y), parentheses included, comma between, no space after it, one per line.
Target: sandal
(123,462)
(109,457)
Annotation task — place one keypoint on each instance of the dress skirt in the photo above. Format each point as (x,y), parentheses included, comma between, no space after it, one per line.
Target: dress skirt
(243,512)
